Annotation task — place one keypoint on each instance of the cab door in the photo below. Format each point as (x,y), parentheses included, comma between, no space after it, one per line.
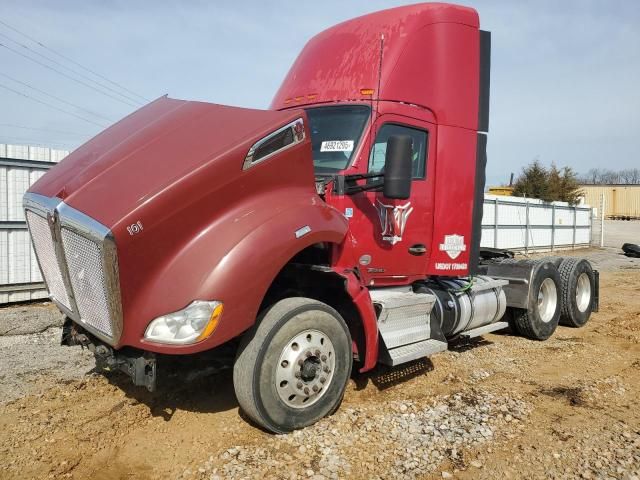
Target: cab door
(394,236)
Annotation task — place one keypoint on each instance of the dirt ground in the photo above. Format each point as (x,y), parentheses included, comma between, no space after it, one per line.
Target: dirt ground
(500,407)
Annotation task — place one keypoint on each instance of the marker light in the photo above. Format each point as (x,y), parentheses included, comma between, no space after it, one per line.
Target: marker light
(189,325)
(366,91)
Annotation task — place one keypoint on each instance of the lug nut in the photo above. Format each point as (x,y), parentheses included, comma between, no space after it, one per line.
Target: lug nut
(298,374)
(325,369)
(323,358)
(322,379)
(299,384)
(300,362)
(308,354)
(306,390)
(315,388)
(317,352)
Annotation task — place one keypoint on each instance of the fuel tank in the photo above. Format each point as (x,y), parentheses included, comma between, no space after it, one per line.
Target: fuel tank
(463,305)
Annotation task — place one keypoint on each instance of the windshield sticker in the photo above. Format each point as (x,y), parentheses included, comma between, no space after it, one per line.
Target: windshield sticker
(336,146)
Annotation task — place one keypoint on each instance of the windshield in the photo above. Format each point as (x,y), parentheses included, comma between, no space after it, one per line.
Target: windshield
(335,133)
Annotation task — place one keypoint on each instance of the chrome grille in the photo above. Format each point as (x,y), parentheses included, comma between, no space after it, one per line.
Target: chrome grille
(46,253)
(79,262)
(88,280)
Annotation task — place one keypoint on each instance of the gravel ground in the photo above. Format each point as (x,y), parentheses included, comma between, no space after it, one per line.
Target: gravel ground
(29,318)
(616,232)
(413,438)
(35,361)
(498,407)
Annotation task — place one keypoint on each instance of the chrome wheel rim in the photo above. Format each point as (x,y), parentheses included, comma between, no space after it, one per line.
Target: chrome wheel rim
(583,292)
(547,300)
(305,369)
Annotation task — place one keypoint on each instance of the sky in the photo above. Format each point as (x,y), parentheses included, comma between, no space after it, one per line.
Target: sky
(565,78)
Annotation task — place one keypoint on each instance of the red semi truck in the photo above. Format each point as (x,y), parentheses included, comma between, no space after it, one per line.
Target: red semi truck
(340,227)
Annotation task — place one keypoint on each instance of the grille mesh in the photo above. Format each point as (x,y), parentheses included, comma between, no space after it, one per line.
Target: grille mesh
(45,251)
(88,280)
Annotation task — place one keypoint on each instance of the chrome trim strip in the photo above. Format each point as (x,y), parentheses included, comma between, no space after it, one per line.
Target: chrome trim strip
(58,215)
(45,207)
(298,137)
(40,204)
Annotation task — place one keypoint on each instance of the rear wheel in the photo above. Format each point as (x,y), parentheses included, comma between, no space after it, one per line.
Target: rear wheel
(292,368)
(577,288)
(540,319)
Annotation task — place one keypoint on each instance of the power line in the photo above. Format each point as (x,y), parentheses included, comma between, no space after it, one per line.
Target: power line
(72,61)
(55,62)
(49,105)
(55,97)
(60,132)
(66,76)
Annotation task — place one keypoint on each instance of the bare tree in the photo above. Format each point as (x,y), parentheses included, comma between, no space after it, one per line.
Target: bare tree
(597,176)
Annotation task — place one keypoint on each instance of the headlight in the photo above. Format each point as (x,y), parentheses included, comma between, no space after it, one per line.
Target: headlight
(189,325)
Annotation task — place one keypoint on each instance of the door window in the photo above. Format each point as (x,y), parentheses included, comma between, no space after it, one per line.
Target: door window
(379,150)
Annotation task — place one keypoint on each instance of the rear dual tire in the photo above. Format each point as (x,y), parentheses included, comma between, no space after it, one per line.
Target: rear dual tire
(293,366)
(540,319)
(576,292)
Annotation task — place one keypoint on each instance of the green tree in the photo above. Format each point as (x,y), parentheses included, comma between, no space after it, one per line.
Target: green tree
(569,186)
(533,182)
(554,182)
(550,185)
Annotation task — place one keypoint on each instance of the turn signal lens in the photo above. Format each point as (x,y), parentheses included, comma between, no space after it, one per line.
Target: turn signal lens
(213,323)
(366,91)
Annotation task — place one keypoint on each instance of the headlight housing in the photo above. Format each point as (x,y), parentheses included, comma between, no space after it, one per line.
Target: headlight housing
(189,325)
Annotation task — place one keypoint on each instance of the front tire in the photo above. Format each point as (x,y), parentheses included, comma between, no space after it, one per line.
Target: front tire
(293,366)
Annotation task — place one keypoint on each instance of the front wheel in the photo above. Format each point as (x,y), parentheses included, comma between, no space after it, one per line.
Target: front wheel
(293,366)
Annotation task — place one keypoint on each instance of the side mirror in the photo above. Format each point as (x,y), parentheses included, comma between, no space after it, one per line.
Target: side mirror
(397,167)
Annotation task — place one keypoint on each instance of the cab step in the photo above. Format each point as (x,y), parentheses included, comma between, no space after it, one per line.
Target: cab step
(413,351)
(405,325)
(476,332)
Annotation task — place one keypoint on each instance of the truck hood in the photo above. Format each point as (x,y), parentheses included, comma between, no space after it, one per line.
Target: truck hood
(144,154)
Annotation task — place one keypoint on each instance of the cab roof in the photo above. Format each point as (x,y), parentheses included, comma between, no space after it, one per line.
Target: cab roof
(429,57)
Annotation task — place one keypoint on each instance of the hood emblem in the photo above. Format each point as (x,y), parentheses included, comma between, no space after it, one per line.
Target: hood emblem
(135,228)
(393,220)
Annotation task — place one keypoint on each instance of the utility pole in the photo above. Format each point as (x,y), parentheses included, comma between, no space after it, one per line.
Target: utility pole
(602,220)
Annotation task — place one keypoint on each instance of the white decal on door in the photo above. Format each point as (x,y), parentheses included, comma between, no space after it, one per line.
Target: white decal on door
(454,245)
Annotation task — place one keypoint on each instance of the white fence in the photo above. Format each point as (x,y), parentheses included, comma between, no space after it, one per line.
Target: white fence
(508,222)
(20,166)
(533,225)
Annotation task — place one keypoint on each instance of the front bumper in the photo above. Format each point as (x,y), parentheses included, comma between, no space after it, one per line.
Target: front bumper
(139,365)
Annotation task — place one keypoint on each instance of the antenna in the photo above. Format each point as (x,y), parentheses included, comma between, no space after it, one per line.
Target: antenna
(379,73)
(371,117)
